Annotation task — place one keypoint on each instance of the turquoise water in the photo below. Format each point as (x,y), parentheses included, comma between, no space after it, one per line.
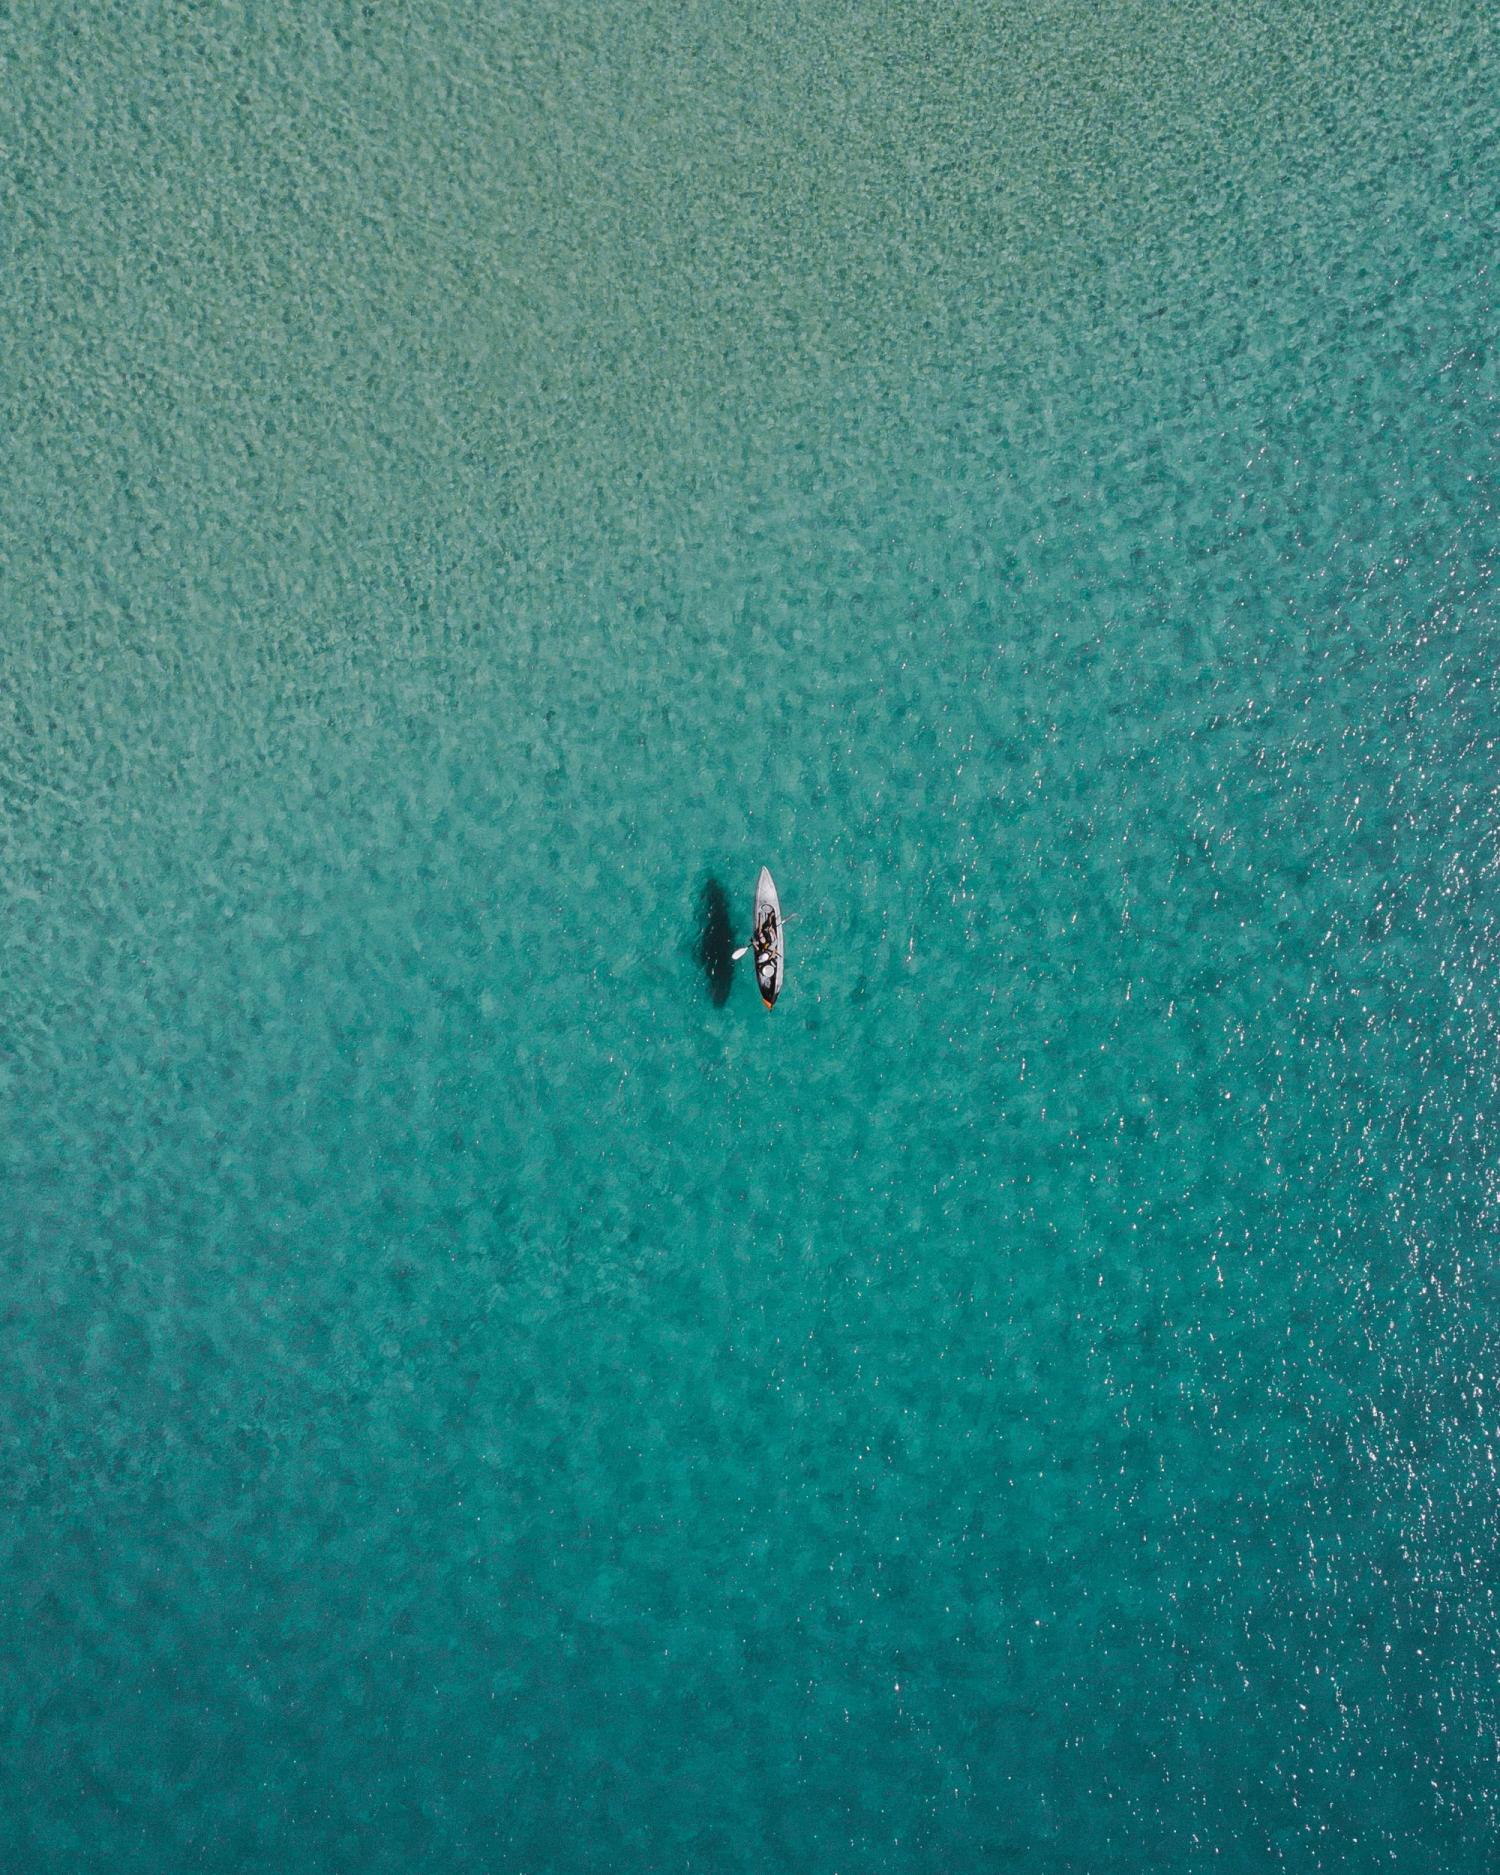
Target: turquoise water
(479,1393)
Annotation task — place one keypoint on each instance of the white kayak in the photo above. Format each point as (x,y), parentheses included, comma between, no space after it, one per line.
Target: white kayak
(768,944)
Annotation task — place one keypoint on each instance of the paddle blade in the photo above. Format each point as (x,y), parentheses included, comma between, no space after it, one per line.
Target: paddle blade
(735,956)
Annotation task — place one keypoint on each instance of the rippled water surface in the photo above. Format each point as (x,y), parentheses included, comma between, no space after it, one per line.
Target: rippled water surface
(479,1393)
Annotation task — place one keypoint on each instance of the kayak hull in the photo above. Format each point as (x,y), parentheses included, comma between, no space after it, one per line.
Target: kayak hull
(769,945)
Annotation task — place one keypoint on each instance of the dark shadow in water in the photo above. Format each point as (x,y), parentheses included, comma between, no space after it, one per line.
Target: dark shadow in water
(715,947)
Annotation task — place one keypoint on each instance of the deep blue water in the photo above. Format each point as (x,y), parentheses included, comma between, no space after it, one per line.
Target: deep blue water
(479,1393)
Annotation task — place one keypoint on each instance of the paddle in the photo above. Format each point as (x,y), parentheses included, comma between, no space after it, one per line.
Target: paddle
(735,956)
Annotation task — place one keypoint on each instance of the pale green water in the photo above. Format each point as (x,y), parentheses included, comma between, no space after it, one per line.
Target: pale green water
(472,1400)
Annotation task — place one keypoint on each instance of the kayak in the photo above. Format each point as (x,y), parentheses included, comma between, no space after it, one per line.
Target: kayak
(769,945)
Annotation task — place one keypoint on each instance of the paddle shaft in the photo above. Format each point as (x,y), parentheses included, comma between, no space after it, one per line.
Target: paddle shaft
(735,956)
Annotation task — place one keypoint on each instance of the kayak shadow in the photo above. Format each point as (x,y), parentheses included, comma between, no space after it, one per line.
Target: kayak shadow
(715,946)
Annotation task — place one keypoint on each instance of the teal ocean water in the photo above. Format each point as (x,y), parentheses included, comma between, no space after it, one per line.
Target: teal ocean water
(479,1393)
